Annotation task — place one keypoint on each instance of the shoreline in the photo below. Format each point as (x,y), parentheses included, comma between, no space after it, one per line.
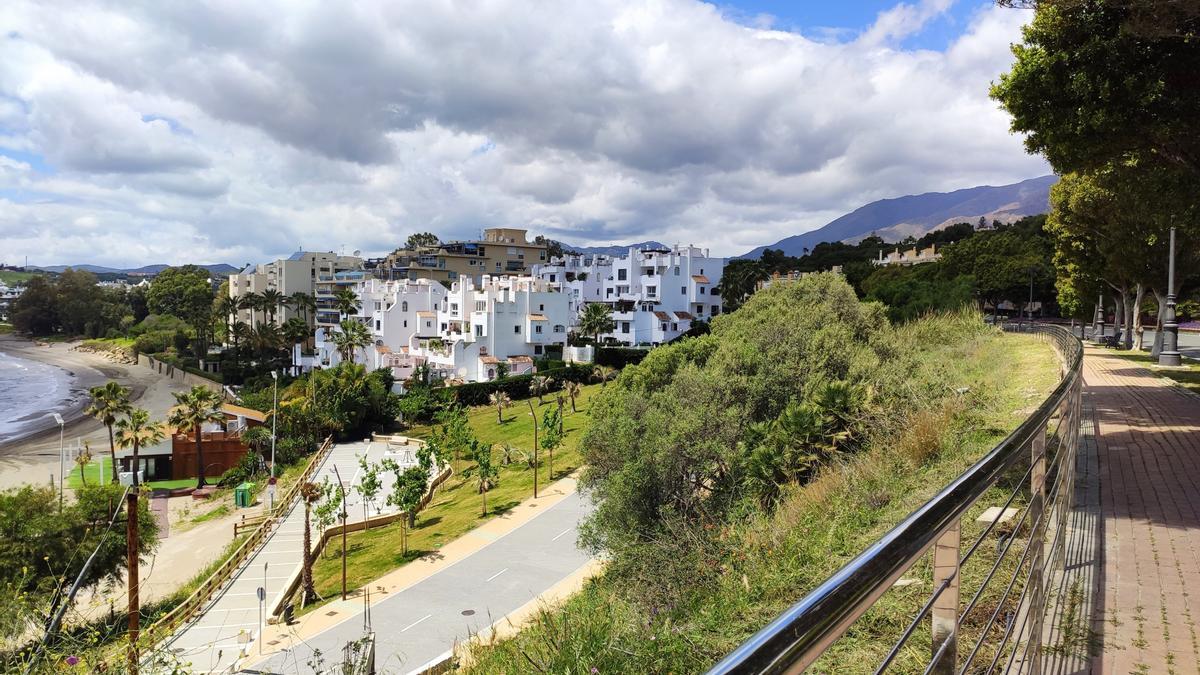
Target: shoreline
(33,454)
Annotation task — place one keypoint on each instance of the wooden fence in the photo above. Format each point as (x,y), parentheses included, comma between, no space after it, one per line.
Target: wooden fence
(186,610)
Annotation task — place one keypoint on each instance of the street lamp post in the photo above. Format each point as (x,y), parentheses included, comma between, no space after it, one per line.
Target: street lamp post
(61,471)
(1169,356)
(274,415)
(1098,331)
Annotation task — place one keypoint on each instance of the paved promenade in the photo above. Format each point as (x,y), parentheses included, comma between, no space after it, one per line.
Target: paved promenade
(1147,444)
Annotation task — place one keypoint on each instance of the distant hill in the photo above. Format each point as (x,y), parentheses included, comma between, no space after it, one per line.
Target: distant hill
(914,215)
(615,250)
(218,269)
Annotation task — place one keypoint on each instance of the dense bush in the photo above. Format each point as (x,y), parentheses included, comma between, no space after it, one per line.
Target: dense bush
(517,386)
(619,357)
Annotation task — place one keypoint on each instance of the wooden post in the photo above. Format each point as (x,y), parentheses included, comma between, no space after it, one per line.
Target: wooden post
(944,614)
(131,543)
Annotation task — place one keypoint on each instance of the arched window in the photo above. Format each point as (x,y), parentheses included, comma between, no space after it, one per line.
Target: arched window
(404,306)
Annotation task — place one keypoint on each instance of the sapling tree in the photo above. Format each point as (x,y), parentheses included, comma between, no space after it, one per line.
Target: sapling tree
(408,489)
(486,473)
(552,434)
(369,484)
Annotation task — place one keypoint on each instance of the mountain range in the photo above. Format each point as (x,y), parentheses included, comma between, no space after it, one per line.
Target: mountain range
(616,250)
(914,215)
(219,269)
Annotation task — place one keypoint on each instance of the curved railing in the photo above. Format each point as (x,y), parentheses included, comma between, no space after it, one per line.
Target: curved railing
(1044,447)
(210,587)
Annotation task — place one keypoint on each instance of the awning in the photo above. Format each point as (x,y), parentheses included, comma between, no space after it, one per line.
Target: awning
(684,315)
(537,317)
(663,316)
(238,411)
(700,278)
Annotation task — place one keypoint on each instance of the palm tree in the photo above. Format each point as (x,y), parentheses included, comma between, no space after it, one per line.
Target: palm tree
(136,431)
(595,320)
(304,302)
(82,462)
(501,400)
(604,374)
(297,332)
(572,389)
(193,409)
(266,340)
(350,337)
(346,301)
(251,301)
(227,307)
(310,493)
(257,439)
(271,300)
(238,332)
(109,401)
(539,385)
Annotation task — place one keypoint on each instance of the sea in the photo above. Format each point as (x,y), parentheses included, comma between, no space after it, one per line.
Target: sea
(29,392)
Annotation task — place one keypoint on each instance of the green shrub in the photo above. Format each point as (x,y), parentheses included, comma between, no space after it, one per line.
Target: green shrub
(619,357)
(516,386)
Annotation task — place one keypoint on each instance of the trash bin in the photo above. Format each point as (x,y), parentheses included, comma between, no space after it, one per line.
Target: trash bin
(241,495)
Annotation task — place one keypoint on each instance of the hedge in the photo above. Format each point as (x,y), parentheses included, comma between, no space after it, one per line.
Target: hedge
(619,357)
(517,386)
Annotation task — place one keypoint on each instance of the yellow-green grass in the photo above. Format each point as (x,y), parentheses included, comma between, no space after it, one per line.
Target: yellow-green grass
(15,277)
(779,556)
(457,505)
(1188,375)
(101,469)
(110,343)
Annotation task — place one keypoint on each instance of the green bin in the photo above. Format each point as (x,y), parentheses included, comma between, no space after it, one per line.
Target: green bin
(241,495)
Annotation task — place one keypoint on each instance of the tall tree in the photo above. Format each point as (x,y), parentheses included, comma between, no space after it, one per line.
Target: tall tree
(109,401)
(272,300)
(347,302)
(351,336)
(484,471)
(193,409)
(1099,81)
(136,431)
(420,240)
(309,494)
(304,303)
(595,320)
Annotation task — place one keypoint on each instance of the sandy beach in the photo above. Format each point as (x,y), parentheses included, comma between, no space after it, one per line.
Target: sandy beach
(34,457)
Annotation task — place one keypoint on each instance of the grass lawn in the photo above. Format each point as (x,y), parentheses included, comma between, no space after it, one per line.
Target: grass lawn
(93,474)
(1189,376)
(457,506)
(10,277)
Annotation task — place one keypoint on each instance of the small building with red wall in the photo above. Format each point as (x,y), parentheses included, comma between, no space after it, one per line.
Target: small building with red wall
(175,457)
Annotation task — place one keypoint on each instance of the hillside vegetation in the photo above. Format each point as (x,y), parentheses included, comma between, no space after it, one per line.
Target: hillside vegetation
(735,471)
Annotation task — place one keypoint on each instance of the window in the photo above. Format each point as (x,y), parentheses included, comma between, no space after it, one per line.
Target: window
(674,326)
(559,328)
(404,306)
(664,328)
(478,330)
(537,329)
(701,290)
(700,309)
(428,324)
(551,278)
(716,309)
(607,291)
(652,290)
(378,305)
(621,275)
(683,290)
(497,265)
(677,270)
(481,305)
(516,329)
(541,308)
(377,324)
(454,308)
(444,326)
(406,323)
(624,326)
(537,349)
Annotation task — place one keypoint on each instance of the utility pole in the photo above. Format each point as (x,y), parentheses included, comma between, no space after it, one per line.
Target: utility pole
(131,541)
(1169,356)
(533,414)
(1098,330)
(342,490)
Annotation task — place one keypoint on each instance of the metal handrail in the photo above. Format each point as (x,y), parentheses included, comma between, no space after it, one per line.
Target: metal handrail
(803,632)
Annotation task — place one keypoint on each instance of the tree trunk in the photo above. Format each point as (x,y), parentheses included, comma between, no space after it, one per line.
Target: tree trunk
(1137,316)
(199,459)
(309,591)
(484,492)
(112,453)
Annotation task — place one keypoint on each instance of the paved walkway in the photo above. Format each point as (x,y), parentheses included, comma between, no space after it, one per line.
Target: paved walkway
(213,642)
(1148,460)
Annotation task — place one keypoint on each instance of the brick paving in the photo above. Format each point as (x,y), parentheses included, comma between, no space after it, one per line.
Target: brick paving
(1148,451)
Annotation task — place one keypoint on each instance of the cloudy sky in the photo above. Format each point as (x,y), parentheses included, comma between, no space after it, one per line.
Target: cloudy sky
(230,131)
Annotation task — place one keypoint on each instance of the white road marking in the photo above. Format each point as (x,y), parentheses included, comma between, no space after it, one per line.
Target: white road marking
(497,574)
(415,622)
(562,533)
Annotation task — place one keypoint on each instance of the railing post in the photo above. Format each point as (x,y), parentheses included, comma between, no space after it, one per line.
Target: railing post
(1037,536)
(945,608)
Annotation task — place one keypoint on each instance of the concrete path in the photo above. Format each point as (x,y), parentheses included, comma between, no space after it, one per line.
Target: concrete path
(1148,452)
(213,641)
(424,621)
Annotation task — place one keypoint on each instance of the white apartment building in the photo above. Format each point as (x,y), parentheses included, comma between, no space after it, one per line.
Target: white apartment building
(655,294)
(392,310)
(502,320)
(304,271)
